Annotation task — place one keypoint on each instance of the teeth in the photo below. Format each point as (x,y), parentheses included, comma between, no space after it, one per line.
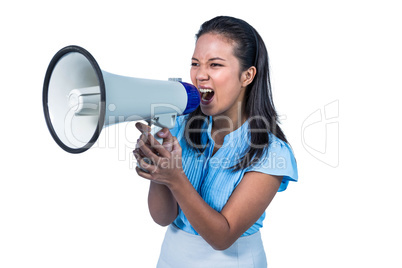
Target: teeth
(204,90)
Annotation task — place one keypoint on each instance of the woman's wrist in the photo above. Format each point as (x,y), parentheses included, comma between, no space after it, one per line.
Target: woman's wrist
(180,180)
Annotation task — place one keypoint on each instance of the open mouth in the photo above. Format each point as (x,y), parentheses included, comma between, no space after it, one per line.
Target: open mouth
(206,95)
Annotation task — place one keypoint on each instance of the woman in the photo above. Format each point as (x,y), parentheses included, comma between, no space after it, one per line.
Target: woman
(220,167)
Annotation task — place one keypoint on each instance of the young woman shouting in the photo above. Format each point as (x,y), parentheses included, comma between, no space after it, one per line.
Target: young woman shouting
(220,167)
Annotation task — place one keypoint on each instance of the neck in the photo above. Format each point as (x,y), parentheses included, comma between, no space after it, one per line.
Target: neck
(229,121)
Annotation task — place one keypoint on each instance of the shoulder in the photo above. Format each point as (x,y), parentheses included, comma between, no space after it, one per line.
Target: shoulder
(279,149)
(278,160)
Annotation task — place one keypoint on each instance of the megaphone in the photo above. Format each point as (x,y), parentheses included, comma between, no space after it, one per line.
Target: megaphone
(80,99)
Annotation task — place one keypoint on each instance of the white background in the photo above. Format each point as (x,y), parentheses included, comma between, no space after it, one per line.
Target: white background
(90,210)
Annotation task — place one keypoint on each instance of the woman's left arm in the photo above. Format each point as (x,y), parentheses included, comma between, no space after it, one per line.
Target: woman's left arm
(220,229)
(244,207)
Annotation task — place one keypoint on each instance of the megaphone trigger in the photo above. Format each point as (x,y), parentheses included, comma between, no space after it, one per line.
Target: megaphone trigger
(162,121)
(157,124)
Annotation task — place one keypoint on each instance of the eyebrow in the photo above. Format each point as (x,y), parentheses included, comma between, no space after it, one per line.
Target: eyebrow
(211,59)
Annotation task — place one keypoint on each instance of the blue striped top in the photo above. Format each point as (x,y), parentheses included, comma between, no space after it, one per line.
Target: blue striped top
(211,177)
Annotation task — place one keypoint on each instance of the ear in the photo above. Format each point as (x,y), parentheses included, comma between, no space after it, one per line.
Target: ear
(248,76)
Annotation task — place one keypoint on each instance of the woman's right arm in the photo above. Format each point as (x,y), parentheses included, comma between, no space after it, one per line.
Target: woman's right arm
(161,203)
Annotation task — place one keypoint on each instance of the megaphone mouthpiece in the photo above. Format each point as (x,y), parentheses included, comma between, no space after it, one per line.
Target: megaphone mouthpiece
(193,98)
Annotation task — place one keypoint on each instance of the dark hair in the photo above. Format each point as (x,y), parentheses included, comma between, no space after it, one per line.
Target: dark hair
(250,50)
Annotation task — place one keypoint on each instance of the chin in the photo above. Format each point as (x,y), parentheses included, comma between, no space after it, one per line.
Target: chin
(208,111)
(212,112)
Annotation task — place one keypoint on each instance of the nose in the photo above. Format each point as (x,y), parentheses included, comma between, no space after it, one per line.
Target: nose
(202,74)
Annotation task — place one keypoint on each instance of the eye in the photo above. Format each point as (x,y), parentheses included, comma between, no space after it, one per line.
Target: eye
(216,65)
(194,64)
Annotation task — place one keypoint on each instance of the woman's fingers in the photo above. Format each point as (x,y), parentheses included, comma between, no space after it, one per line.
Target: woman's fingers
(144,162)
(147,152)
(150,140)
(142,127)
(167,139)
(143,174)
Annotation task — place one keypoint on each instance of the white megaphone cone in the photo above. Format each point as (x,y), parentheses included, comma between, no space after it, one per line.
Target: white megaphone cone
(79,99)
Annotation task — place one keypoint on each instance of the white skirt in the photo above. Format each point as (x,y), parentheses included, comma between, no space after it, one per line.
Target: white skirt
(182,249)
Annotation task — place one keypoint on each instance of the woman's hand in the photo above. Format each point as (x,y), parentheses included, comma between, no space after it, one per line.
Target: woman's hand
(166,166)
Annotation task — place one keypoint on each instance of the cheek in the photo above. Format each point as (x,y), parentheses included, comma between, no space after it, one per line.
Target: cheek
(192,76)
(229,84)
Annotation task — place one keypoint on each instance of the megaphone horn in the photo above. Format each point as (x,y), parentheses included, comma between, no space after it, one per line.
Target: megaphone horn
(80,99)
